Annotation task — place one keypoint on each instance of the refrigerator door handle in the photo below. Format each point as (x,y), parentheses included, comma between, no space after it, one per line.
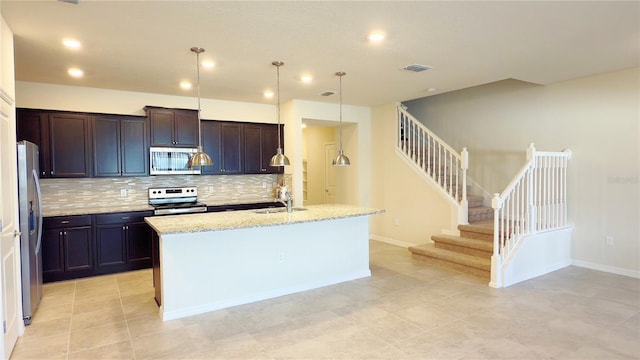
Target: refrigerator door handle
(36,179)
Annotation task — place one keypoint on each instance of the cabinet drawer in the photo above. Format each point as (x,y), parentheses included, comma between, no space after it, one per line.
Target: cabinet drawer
(123,217)
(66,221)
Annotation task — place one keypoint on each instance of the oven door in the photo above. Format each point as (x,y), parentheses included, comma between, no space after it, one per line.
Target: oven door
(170,161)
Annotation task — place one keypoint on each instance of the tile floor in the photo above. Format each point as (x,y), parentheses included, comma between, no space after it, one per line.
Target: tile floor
(406,310)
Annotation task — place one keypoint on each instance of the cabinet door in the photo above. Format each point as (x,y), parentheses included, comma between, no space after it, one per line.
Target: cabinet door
(269,148)
(231,138)
(52,254)
(253,149)
(211,144)
(106,147)
(161,124)
(134,149)
(78,249)
(69,145)
(186,128)
(110,243)
(29,127)
(139,237)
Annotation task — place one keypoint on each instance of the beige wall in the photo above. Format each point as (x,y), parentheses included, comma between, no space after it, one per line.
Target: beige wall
(406,197)
(596,117)
(315,138)
(75,98)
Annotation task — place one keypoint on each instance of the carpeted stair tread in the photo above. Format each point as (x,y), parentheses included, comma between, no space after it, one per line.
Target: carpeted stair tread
(429,250)
(474,200)
(464,242)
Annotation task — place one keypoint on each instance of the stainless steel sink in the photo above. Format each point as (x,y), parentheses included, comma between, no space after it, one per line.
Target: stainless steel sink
(276,210)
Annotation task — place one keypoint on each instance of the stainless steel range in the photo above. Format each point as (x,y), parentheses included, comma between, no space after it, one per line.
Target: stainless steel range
(175,200)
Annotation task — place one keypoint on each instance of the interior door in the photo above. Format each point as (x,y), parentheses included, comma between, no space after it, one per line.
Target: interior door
(9,238)
(329,174)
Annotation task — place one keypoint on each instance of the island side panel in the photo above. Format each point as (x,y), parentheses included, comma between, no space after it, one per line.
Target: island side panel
(206,271)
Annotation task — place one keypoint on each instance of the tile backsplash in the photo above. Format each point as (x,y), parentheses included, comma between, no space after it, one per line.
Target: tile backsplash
(106,192)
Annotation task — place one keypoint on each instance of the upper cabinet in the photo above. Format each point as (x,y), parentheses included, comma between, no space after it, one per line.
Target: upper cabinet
(173,127)
(64,141)
(260,144)
(223,142)
(120,146)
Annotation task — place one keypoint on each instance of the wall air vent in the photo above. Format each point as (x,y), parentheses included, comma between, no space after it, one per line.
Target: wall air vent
(416,68)
(327,93)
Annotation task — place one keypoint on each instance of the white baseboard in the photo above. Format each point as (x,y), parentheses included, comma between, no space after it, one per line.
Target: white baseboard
(606,268)
(390,241)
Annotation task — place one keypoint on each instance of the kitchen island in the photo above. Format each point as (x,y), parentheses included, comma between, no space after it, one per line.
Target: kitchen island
(210,261)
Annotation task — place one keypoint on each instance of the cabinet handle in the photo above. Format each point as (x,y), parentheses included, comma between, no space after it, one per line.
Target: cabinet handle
(64,222)
(60,233)
(51,172)
(125,217)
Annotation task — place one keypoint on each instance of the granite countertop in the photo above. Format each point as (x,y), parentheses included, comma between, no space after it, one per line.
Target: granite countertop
(190,223)
(126,207)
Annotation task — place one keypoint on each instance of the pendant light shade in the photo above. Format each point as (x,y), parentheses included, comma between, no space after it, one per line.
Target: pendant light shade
(341,159)
(200,158)
(279,159)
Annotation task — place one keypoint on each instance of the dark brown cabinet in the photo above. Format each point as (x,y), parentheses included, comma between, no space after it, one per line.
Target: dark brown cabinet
(67,247)
(123,242)
(260,144)
(173,127)
(120,146)
(223,142)
(64,141)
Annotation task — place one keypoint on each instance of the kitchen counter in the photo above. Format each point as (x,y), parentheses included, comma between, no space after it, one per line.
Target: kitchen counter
(206,262)
(250,219)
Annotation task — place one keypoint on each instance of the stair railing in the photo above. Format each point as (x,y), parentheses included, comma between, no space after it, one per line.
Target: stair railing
(441,163)
(534,201)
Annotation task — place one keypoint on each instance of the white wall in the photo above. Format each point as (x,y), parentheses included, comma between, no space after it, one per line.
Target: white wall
(597,117)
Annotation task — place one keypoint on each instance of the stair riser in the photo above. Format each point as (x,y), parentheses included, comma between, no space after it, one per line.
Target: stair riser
(464,250)
(449,265)
(475,235)
(475,203)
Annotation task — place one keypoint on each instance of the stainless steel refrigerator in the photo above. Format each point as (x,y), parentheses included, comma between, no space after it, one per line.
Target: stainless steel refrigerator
(30,205)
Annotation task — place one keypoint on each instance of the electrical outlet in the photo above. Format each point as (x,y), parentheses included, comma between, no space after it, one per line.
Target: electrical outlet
(264,185)
(281,257)
(123,193)
(396,222)
(211,189)
(609,240)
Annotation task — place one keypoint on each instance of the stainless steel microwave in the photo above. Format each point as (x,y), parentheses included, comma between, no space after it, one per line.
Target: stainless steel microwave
(171,161)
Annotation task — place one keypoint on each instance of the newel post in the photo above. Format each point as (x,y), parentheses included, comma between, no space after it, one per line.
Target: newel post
(496,261)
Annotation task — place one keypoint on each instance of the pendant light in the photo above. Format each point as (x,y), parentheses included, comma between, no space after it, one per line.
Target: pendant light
(279,159)
(341,159)
(200,158)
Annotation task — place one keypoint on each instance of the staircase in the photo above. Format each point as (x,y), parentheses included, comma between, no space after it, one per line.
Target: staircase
(525,233)
(471,251)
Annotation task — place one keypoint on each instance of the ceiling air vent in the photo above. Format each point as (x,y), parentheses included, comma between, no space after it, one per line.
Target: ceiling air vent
(327,93)
(416,68)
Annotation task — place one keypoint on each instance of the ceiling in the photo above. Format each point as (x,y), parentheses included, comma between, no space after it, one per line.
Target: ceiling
(144,46)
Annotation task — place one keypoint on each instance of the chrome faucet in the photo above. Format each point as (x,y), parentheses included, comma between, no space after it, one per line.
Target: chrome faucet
(288,202)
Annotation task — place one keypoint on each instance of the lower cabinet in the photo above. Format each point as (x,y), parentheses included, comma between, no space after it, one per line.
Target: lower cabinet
(123,242)
(67,248)
(87,245)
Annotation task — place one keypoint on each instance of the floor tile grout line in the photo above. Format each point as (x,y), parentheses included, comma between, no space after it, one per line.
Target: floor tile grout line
(73,304)
(126,319)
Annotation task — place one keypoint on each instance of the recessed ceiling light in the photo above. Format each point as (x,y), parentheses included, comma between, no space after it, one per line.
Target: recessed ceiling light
(306,78)
(71,43)
(268,94)
(208,64)
(304,125)
(75,72)
(185,85)
(376,36)
(432,89)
